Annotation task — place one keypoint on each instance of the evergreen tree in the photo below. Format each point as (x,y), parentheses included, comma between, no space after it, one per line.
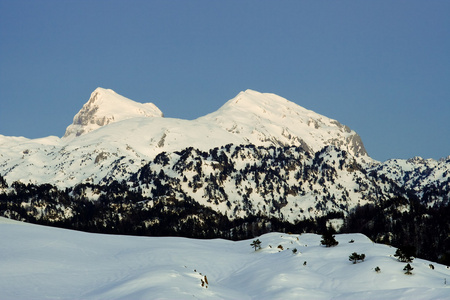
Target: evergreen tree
(3,183)
(354,257)
(408,269)
(328,239)
(405,253)
(256,244)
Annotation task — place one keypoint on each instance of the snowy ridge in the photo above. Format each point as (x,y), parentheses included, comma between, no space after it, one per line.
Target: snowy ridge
(111,127)
(64,264)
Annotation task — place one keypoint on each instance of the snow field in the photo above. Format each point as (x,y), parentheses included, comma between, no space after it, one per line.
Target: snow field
(39,262)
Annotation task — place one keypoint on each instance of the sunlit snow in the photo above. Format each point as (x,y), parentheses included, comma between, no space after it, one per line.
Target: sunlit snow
(111,127)
(39,262)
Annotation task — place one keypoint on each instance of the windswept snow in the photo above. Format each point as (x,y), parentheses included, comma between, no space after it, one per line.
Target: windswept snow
(39,262)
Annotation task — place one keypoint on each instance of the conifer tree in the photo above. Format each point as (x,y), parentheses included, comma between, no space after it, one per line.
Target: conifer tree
(256,244)
(354,257)
(408,269)
(328,239)
(405,253)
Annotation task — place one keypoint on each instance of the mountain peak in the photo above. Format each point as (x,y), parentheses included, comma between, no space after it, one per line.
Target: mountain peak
(106,106)
(274,120)
(250,98)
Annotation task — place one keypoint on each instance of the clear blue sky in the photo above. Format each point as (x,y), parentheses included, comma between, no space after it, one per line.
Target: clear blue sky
(380,67)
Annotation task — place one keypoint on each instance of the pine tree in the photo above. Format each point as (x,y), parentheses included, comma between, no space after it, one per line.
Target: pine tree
(354,257)
(408,269)
(405,253)
(256,244)
(328,239)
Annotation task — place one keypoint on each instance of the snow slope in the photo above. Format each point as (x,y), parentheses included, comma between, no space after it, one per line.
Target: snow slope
(38,262)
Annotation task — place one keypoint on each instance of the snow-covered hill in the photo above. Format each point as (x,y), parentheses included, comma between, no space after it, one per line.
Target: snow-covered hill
(49,263)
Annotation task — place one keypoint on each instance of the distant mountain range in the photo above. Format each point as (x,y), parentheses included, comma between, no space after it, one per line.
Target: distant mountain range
(111,128)
(258,156)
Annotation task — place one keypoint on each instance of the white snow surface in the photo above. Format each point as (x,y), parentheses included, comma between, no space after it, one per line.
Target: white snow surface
(39,262)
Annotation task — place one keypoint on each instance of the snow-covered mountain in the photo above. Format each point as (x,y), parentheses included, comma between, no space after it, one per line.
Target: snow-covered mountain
(110,130)
(270,120)
(259,163)
(105,107)
(113,138)
(426,178)
(51,263)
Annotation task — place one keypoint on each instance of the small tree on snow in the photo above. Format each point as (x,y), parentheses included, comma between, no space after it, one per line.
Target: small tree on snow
(328,239)
(408,269)
(354,257)
(256,244)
